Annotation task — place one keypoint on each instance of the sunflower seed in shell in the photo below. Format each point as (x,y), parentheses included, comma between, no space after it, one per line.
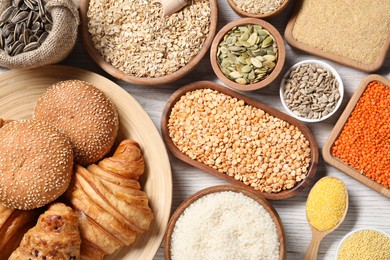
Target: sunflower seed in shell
(29,4)
(20,17)
(31,46)
(17,3)
(33,38)
(6,15)
(36,26)
(43,37)
(18,49)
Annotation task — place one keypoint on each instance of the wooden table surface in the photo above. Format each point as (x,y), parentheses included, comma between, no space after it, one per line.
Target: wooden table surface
(367,208)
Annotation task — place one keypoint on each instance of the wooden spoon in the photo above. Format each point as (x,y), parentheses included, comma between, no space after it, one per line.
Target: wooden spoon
(317,236)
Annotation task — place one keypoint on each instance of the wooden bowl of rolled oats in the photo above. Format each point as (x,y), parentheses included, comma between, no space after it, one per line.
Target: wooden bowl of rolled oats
(258,8)
(247,54)
(134,42)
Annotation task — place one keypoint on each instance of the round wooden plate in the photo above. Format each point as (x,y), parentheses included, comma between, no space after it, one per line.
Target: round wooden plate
(19,91)
(251,194)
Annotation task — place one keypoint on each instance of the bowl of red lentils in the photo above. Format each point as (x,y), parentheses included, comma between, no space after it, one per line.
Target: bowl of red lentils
(359,142)
(364,244)
(258,8)
(311,91)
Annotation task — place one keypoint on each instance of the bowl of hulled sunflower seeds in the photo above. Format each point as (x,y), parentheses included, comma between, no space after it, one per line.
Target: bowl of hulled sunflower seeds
(311,91)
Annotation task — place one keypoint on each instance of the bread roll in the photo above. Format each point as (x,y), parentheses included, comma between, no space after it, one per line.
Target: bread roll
(35,164)
(83,113)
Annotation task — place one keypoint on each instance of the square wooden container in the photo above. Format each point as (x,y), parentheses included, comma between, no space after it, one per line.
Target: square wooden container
(288,34)
(336,162)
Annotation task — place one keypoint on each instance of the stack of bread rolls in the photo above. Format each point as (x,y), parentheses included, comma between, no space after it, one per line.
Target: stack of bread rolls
(63,147)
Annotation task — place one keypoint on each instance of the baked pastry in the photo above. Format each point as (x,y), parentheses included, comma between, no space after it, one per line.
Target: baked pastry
(35,164)
(13,224)
(83,113)
(4,122)
(108,199)
(55,236)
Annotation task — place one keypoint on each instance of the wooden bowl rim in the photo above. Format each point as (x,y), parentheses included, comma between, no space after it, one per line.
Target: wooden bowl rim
(272,111)
(274,73)
(242,13)
(166,79)
(336,131)
(222,188)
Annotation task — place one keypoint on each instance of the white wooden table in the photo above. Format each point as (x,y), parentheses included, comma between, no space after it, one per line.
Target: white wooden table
(367,208)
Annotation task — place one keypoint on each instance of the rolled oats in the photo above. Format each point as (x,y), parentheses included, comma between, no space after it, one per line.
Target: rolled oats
(135,37)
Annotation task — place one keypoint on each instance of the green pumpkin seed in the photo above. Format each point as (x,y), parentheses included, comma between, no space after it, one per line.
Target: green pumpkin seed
(267,42)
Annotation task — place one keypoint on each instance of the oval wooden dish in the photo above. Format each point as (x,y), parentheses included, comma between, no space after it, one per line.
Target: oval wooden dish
(223,188)
(327,149)
(243,13)
(95,55)
(19,91)
(265,81)
(214,86)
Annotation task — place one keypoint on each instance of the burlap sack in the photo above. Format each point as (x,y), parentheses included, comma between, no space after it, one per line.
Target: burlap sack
(57,45)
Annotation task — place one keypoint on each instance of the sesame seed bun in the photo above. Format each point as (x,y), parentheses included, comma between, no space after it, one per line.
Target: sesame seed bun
(83,113)
(36,163)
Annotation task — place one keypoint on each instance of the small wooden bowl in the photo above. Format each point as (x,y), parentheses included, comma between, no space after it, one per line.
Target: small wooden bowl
(95,55)
(211,85)
(274,73)
(263,202)
(336,162)
(243,13)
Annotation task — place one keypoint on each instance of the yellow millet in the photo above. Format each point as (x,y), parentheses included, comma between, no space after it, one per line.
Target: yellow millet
(326,203)
(365,245)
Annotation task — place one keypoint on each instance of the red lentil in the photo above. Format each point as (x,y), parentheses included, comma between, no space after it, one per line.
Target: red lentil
(364,142)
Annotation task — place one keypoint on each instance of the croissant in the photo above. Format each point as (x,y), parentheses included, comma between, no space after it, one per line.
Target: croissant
(107,197)
(13,224)
(4,122)
(55,236)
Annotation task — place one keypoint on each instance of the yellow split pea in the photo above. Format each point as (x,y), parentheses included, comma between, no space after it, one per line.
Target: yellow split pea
(327,203)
